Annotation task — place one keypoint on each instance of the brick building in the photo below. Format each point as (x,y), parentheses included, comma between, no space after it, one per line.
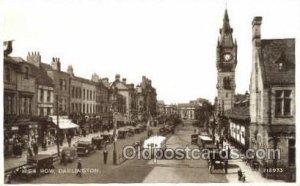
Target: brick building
(61,81)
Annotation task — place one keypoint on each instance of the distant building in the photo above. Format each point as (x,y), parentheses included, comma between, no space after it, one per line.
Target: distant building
(128,91)
(272,101)
(188,111)
(167,110)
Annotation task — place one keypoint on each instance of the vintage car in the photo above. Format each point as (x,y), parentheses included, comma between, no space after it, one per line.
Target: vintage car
(98,141)
(70,153)
(136,130)
(36,166)
(107,137)
(141,127)
(130,130)
(122,133)
(216,161)
(85,147)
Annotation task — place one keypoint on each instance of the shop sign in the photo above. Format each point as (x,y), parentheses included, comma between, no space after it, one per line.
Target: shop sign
(15,128)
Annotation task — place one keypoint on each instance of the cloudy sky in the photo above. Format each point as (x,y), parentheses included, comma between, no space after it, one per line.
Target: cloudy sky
(173,42)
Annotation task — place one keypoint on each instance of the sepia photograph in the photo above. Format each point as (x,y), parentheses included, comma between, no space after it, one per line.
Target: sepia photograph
(149,91)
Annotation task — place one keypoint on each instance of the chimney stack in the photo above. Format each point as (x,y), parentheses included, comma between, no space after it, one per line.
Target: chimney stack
(34,58)
(55,63)
(117,77)
(256,28)
(70,70)
(124,80)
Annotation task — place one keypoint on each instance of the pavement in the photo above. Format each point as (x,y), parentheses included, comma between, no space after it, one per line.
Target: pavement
(13,162)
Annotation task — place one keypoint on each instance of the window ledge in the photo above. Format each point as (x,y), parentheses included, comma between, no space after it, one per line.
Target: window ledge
(280,116)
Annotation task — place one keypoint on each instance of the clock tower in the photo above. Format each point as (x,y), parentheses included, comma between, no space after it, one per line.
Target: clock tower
(226,63)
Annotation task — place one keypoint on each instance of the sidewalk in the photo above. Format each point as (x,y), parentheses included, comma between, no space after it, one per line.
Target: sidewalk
(12,162)
(252,176)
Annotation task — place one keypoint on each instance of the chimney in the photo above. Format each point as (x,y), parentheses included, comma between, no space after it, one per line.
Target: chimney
(55,63)
(256,28)
(34,58)
(95,77)
(70,70)
(124,80)
(117,77)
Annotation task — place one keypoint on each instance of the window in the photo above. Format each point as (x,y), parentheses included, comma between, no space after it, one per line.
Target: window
(283,102)
(42,95)
(65,84)
(292,152)
(26,72)
(72,94)
(8,104)
(48,111)
(83,93)
(48,96)
(41,111)
(7,74)
(87,94)
(60,84)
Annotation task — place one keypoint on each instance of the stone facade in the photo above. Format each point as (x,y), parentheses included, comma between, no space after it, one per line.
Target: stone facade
(226,63)
(272,101)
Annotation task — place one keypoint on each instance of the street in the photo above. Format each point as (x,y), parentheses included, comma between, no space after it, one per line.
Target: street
(137,171)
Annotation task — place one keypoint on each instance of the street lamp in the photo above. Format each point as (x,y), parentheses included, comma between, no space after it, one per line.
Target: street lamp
(113,110)
(57,120)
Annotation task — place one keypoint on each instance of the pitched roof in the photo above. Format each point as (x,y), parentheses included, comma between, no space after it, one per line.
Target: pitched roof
(273,52)
(239,112)
(38,72)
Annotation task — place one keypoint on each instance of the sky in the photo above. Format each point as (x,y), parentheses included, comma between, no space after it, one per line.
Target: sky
(172,42)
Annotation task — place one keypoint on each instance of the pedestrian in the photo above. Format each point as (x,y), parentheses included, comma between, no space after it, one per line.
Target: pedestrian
(63,159)
(240,174)
(228,152)
(29,152)
(105,154)
(226,166)
(69,140)
(83,132)
(8,179)
(221,141)
(79,168)
(35,147)
(217,144)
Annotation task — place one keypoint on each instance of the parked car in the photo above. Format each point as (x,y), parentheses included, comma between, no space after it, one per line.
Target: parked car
(194,138)
(70,153)
(98,142)
(122,134)
(107,137)
(85,147)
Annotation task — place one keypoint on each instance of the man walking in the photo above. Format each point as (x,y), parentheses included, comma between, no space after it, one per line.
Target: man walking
(105,154)
(79,168)
(35,147)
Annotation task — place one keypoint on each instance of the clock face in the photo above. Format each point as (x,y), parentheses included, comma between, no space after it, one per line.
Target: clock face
(227,57)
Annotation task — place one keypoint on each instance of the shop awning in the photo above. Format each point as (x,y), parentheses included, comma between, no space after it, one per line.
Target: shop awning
(63,122)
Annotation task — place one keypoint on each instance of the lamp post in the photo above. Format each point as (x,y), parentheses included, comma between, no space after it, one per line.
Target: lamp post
(57,132)
(113,110)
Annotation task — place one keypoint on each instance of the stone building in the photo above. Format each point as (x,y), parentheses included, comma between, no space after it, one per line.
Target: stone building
(226,63)
(272,101)
(61,81)
(82,94)
(128,91)
(146,99)
(188,111)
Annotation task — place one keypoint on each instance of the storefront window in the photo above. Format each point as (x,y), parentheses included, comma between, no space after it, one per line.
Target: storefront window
(292,152)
